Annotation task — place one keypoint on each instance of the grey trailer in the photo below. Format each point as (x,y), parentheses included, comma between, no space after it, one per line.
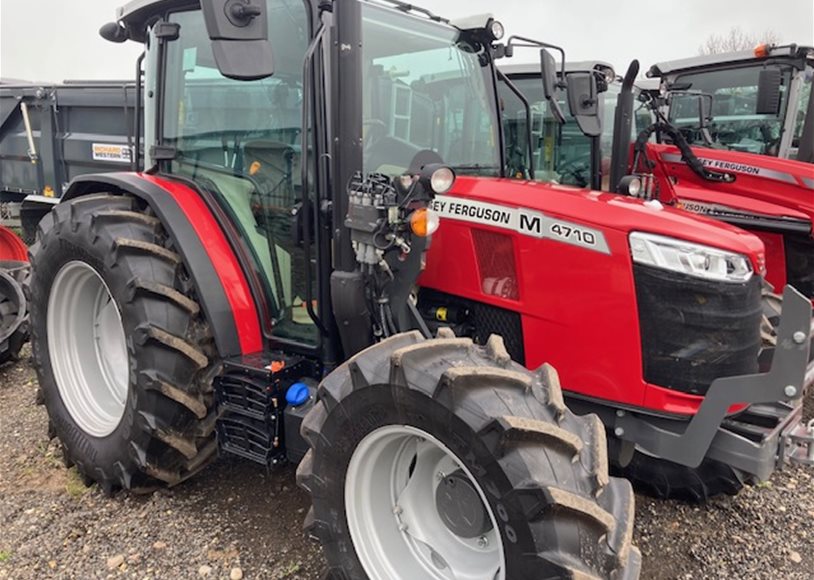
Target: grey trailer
(50,134)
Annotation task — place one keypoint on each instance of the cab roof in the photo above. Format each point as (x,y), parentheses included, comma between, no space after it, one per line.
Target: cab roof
(136,15)
(792,51)
(534,68)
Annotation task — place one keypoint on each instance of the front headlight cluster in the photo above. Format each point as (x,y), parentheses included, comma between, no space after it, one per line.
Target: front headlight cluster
(688,258)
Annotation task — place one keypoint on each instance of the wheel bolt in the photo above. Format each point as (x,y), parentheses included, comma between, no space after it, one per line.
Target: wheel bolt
(791,391)
(440,476)
(483,542)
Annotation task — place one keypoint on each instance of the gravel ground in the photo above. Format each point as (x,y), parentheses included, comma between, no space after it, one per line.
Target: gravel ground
(235,520)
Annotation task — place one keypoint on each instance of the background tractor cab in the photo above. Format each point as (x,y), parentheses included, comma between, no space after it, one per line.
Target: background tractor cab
(570,153)
(747,118)
(752,101)
(769,197)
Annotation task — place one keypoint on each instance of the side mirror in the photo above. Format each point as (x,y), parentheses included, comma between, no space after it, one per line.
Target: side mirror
(238,30)
(583,102)
(113,32)
(684,106)
(768,92)
(548,67)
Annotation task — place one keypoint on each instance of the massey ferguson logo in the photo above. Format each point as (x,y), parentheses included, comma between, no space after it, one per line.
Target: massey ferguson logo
(524,221)
(729,166)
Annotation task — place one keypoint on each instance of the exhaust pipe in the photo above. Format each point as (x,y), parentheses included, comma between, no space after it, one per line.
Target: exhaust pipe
(622,126)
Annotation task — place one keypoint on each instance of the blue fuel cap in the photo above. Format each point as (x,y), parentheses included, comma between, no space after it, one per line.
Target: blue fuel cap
(297,394)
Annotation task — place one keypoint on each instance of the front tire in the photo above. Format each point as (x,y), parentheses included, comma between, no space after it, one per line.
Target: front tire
(123,352)
(664,479)
(436,459)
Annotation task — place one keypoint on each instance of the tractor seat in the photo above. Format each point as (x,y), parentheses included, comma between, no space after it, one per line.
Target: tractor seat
(275,166)
(275,170)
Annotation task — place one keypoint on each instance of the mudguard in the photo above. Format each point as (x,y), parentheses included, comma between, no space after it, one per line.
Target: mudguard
(220,282)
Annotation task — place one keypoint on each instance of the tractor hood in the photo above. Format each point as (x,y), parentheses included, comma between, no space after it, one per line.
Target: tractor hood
(508,199)
(763,185)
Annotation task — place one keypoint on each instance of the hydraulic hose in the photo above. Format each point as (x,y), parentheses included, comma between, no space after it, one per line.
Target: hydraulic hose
(687,154)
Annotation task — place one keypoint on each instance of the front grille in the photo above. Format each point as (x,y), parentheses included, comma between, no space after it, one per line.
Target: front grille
(694,331)
(488,320)
(800,264)
(496,265)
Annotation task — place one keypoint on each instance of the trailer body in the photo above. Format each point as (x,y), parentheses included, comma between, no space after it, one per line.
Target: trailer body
(50,134)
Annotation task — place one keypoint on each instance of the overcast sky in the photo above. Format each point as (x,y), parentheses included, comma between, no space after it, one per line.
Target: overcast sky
(52,40)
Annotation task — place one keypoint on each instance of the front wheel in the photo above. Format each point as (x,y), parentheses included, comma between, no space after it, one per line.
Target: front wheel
(441,460)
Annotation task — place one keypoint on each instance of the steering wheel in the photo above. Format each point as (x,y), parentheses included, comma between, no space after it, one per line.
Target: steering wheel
(575,168)
(375,130)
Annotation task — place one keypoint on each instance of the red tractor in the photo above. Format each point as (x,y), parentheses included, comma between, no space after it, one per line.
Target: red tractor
(751,168)
(265,287)
(749,115)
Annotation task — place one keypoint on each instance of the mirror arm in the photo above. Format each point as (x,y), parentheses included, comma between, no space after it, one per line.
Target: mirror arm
(529,134)
(531,43)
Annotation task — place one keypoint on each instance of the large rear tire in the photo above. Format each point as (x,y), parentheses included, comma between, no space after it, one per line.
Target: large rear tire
(123,352)
(438,459)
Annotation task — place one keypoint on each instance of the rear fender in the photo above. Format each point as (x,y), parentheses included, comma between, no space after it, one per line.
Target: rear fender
(221,285)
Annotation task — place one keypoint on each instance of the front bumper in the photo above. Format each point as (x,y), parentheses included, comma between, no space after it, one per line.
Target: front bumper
(797,444)
(756,441)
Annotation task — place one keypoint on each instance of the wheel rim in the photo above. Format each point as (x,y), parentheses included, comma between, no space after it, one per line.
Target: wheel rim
(395,521)
(12,305)
(88,349)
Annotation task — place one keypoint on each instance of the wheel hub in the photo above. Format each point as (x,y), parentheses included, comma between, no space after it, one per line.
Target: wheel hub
(87,346)
(460,507)
(410,521)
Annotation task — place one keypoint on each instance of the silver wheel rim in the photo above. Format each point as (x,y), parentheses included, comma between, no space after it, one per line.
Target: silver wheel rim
(88,349)
(396,529)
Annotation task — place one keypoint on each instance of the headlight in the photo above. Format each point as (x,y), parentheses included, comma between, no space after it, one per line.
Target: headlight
(496,30)
(441,178)
(630,185)
(689,258)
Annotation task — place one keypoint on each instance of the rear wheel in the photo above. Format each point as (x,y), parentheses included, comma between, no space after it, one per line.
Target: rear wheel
(123,353)
(439,459)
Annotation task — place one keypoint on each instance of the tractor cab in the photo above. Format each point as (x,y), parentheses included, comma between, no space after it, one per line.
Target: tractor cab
(562,152)
(251,119)
(752,101)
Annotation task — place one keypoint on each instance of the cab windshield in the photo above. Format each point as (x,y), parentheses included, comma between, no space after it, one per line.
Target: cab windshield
(425,89)
(735,124)
(562,153)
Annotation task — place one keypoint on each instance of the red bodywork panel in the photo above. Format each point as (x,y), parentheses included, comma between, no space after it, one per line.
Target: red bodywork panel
(220,252)
(12,247)
(764,186)
(577,304)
